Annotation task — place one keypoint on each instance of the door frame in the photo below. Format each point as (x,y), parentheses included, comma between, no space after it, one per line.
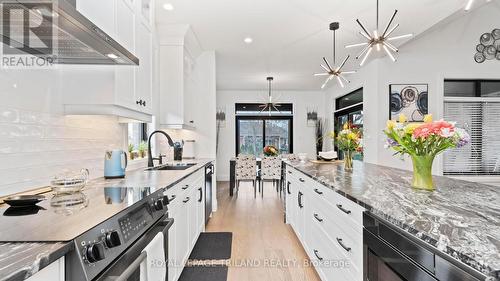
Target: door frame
(263,119)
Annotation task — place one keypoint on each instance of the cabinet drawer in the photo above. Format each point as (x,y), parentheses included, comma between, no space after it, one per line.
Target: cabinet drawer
(343,208)
(328,260)
(349,243)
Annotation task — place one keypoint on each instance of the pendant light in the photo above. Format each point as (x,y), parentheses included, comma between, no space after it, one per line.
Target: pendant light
(270,105)
(378,41)
(337,72)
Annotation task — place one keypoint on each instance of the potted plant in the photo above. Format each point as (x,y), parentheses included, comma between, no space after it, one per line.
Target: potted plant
(423,141)
(270,150)
(142,148)
(349,140)
(131,151)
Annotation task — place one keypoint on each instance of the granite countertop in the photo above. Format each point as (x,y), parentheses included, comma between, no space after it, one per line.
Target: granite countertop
(19,261)
(460,218)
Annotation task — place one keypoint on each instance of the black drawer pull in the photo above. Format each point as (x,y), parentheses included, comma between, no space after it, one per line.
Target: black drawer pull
(185,187)
(201,194)
(348,249)
(288,187)
(318,191)
(318,218)
(186,200)
(301,180)
(316,253)
(300,199)
(343,210)
(290,172)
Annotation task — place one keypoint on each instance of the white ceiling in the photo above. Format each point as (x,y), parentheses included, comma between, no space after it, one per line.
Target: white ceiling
(291,36)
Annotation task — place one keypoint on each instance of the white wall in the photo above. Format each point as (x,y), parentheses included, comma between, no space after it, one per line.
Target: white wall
(445,52)
(37,141)
(303,136)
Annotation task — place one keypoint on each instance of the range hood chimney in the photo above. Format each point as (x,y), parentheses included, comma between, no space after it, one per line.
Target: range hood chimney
(74,38)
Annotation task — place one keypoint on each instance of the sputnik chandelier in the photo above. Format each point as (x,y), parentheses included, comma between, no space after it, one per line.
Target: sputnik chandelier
(334,72)
(378,41)
(269,105)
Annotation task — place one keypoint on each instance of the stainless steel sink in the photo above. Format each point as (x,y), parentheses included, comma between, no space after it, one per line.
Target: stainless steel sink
(180,166)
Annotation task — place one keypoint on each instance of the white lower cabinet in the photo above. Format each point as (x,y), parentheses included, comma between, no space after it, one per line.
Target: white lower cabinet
(52,272)
(185,209)
(328,225)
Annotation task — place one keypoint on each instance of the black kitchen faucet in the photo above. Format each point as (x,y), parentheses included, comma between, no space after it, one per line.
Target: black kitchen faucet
(150,157)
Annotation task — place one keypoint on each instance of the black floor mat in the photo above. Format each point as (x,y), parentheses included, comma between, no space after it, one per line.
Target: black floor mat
(212,246)
(204,273)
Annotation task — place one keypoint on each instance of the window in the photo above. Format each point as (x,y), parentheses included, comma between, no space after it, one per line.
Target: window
(349,109)
(473,106)
(254,129)
(137,133)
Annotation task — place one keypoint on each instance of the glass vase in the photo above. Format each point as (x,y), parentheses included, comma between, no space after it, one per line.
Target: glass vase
(422,172)
(348,160)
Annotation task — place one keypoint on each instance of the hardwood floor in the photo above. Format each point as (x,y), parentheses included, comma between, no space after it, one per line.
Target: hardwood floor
(264,247)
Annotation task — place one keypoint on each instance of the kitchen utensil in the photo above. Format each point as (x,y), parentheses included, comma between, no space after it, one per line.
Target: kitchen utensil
(70,182)
(115,163)
(24,200)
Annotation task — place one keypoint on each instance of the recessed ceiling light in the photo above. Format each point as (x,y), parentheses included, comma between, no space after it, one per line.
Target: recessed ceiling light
(168,6)
(248,40)
(112,56)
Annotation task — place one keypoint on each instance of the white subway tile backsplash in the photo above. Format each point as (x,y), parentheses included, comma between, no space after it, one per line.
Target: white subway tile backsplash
(35,146)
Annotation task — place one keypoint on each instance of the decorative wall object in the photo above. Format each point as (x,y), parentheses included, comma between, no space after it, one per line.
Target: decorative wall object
(488,47)
(312,117)
(220,117)
(410,100)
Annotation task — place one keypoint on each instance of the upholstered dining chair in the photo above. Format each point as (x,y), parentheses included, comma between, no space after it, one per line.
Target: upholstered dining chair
(246,170)
(270,171)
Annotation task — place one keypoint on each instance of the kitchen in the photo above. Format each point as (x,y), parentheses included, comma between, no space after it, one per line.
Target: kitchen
(228,79)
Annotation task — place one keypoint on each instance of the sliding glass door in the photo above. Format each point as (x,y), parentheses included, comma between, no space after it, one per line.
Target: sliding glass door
(255,132)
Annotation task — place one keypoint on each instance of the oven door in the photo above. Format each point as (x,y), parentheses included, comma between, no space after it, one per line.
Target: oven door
(382,262)
(127,266)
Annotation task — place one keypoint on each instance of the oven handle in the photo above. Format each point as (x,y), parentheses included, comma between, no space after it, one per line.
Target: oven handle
(132,267)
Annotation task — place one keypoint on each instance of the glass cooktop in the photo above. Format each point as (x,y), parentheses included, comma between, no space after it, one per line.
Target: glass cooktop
(66,216)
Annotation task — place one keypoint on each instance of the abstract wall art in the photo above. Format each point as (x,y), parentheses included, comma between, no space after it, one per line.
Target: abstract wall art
(488,47)
(410,100)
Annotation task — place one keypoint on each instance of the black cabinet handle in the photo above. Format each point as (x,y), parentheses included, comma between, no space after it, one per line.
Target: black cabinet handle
(289,172)
(301,180)
(186,200)
(300,199)
(201,194)
(143,103)
(348,249)
(139,102)
(316,253)
(318,191)
(343,210)
(288,187)
(185,187)
(318,218)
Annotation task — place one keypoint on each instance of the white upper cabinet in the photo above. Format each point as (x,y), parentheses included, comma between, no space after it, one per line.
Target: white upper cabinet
(179,50)
(126,90)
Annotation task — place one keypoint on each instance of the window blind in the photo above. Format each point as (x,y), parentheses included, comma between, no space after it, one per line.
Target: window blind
(481,120)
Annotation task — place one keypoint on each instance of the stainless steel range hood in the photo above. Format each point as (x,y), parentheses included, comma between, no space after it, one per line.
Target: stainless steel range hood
(75,39)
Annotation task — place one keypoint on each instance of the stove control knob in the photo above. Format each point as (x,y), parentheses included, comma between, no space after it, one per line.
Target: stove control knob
(112,239)
(158,205)
(94,252)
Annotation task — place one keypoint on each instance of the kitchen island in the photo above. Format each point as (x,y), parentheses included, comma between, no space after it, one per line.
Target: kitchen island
(20,258)
(460,219)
